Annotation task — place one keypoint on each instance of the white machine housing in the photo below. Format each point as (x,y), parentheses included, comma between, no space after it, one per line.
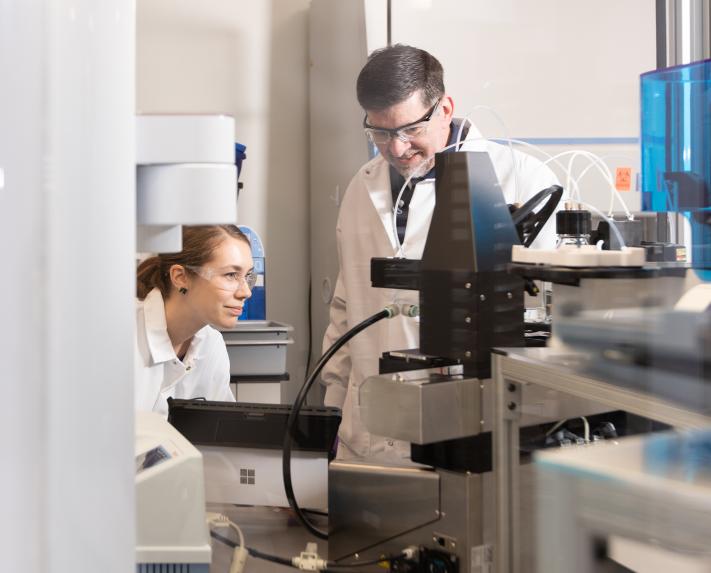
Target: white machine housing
(186,175)
(253,476)
(170,499)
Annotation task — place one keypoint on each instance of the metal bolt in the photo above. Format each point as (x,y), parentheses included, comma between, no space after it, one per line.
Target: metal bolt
(437,512)
(511,387)
(468,354)
(511,405)
(468,319)
(482,297)
(468,285)
(509,295)
(356,556)
(453,545)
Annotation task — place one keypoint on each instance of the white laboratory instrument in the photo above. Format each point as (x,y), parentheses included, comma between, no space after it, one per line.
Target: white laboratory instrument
(186,175)
(171,530)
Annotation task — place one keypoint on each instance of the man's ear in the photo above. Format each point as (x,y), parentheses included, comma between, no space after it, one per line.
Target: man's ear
(447,105)
(179,277)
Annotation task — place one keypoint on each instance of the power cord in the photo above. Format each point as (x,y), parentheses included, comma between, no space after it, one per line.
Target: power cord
(566,435)
(290,435)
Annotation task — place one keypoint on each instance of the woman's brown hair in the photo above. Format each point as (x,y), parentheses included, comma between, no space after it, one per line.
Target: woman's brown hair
(198,244)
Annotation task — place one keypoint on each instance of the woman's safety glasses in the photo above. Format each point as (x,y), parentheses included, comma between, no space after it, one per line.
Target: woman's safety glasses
(226,279)
(406,133)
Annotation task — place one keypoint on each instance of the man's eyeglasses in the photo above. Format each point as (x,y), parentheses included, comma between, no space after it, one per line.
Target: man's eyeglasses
(226,280)
(382,135)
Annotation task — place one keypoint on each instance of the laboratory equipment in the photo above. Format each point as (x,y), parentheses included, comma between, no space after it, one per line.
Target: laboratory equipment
(171,531)
(643,502)
(258,347)
(676,147)
(257,352)
(654,346)
(241,447)
(468,304)
(573,226)
(186,175)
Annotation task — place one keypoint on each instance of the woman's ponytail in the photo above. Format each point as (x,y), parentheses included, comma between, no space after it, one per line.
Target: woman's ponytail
(149,275)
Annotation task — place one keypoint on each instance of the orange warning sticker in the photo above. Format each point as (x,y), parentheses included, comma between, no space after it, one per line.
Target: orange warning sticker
(623,178)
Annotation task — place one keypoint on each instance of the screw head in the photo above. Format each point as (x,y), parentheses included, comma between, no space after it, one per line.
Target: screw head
(468,285)
(468,354)
(511,387)
(482,297)
(509,295)
(468,319)
(511,406)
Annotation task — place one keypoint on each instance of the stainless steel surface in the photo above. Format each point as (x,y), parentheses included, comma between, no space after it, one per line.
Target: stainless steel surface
(422,410)
(454,525)
(370,503)
(521,377)
(271,530)
(559,371)
(507,399)
(688,26)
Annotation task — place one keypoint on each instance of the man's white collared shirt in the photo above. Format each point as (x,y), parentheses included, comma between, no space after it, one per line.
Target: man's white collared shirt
(204,372)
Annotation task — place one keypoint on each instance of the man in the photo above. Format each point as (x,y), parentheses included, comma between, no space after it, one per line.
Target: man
(409,117)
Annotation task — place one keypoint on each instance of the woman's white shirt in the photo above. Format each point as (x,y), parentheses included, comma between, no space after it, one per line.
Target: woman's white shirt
(204,372)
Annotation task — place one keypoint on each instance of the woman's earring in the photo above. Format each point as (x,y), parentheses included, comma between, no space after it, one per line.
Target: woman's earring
(183,290)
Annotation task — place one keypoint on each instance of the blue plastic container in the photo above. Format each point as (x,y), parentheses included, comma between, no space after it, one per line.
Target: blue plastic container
(676,149)
(255,307)
(240,155)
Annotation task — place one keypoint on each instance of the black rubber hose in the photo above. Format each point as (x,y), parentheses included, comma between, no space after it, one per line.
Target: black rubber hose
(298,403)
(251,551)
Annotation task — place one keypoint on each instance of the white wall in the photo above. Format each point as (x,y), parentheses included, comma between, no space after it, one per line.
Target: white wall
(250,60)
(68,241)
(564,73)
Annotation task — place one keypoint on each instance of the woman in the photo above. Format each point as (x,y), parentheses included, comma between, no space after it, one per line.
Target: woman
(182,299)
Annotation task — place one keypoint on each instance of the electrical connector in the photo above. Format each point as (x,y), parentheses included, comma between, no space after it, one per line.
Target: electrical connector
(239,559)
(239,555)
(393,310)
(411,310)
(411,552)
(309,560)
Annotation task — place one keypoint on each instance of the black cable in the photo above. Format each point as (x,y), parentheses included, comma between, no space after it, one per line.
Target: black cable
(523,217)
(298,403)
(252,552)
(287,562)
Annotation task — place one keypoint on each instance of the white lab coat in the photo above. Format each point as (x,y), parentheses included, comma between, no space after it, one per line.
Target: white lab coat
(364,230)
(159,374)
